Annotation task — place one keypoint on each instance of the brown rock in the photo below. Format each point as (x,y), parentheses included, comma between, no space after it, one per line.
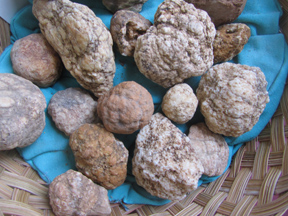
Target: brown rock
(82,41)
(229,41)
(126,26)
(126,108)
(232,97)
(210,148)
(72,107)
(220,11)
(115,5)
(34,59)
(74,194)
(99,155)
(164,161)
(22,116)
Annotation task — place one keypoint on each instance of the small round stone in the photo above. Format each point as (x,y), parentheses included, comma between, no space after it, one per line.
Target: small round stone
(33,58)
(179,103)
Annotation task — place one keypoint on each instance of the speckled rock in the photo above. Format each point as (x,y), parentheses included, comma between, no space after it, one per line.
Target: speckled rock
(34,59)
(126,108)
(232,97)
(72,107)
(115,5)
(221,11)
(164,161)
(72,193)
(229,41)
(81,39)
(22,117)
(126,26)
(179,103)
(210,148)
(178,45)
(99,156)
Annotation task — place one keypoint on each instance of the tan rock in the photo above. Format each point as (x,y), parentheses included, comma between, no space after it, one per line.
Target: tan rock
(99,156)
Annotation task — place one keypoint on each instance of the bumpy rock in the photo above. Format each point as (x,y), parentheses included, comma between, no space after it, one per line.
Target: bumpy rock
(22,117)
(210,148)
(82,41)
(72,193)
(126,108)
(232,97)
(126,26)
(115,5)
(72,107)
(229,41)
(34,59)
(178,45)
(99,156)
(220,11)
(179,103)
(164,161)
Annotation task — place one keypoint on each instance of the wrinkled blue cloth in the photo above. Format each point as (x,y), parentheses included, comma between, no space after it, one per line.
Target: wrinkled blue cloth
(51,155)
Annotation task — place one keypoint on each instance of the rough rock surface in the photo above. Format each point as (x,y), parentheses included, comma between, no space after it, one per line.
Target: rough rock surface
(126,108)
(34,59)
(220,11)
(82,41)
(115,5)
(164,161)
(22,117)
(72,107)
(179,103)
(232,97)
(99,156)
(126,26)
(72,193)
(229,41)
(178,45)
(210,148)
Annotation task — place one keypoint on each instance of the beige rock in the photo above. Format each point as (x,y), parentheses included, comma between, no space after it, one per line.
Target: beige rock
(72,193)
(126,26)
(72,107)
(220,11)
(22,116)
(34,59)
(178,45)
(99,156)
(180,103)
(229,41)
(82,41)
(232,97)
(210,148)
(126,108)
(164,161)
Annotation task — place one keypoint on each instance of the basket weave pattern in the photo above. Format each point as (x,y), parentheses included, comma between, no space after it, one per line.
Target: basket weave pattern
(255,184)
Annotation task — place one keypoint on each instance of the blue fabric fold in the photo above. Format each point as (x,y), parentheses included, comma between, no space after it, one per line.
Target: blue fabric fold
(51,155)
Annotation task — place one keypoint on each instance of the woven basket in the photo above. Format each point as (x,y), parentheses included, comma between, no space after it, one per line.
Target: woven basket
(255,184)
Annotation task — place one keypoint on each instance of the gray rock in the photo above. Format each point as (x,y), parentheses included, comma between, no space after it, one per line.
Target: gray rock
(115,5)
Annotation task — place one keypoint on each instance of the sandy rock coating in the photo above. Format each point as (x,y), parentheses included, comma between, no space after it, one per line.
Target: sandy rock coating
(34,59)
(210,148)
(179,103)
(232,97)
(229,41)
(126,108)
(178,45)
(72,193)
(126,26)
(164,162)
(22,117)
(82,41)
(99,156)
(72,107)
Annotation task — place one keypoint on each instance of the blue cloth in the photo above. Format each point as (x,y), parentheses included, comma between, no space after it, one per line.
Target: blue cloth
(51,155)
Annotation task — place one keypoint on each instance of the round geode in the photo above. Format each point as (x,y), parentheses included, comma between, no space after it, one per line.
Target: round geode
(232,97)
